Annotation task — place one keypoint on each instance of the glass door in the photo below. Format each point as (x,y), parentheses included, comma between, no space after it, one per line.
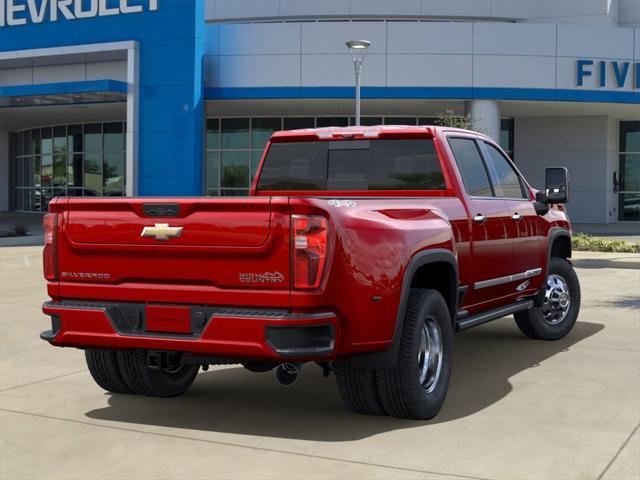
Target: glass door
(629,172)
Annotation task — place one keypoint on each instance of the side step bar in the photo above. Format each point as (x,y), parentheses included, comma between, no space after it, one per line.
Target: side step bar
(484,317)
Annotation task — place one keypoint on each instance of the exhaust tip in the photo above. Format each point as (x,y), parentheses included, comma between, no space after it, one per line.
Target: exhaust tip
(287,374)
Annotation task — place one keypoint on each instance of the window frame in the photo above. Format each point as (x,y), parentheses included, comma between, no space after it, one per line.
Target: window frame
(493,175)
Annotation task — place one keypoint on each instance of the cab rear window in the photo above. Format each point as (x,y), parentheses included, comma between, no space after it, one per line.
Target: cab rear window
(410,164)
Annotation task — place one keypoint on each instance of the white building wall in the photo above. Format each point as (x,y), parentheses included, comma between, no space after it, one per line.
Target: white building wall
(66,72)
(420,54)
(587,146)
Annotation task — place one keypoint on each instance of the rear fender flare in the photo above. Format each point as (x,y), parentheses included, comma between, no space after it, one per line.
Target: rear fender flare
(388,358)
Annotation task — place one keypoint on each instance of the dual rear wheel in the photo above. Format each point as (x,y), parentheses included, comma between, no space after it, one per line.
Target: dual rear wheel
(129,372)
(417,385)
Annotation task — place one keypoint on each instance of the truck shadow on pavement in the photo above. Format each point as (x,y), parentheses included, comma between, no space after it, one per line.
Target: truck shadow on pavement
(233,400)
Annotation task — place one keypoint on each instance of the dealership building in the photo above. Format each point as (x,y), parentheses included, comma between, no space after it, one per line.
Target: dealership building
(178,97)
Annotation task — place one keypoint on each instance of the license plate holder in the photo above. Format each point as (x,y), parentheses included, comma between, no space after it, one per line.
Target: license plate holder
(168,319)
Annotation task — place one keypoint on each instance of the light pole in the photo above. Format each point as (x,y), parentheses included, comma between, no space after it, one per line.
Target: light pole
(358,49)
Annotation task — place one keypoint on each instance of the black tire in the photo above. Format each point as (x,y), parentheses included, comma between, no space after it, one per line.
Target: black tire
(105,370)
(155,382)
(533,323)
(358,389)
(401,391)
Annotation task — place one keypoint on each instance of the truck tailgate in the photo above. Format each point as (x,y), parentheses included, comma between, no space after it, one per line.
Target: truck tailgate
(207,251)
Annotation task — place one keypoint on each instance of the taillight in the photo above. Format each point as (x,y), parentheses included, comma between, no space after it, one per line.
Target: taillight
(310,245)
(50,255)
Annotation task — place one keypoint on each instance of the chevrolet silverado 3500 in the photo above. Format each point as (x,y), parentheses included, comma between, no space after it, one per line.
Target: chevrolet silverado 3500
(362,249)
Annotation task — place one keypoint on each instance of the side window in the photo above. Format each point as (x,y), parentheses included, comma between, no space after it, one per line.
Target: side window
(472,168)
(507,184)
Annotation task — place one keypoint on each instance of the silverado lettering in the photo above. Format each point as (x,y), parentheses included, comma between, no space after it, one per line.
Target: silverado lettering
(362,249)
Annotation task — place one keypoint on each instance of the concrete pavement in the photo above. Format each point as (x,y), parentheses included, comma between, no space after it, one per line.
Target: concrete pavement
(517,408)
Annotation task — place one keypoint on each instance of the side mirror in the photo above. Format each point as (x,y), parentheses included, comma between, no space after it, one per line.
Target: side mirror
(557,185)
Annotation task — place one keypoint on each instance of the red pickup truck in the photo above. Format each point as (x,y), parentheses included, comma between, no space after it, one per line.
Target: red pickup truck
(362,249)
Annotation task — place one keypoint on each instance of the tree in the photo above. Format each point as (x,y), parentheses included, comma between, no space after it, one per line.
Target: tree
(450,118)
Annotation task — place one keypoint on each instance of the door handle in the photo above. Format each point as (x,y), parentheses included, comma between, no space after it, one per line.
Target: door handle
(516,216)
(479,218)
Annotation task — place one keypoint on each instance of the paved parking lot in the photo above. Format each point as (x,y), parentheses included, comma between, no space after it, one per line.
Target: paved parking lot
(517,408)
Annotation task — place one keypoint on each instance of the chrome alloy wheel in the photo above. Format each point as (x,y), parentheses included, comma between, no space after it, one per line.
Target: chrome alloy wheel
(557,300)
(430,354)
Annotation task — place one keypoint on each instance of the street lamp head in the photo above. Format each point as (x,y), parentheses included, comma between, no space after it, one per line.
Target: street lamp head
(358,44)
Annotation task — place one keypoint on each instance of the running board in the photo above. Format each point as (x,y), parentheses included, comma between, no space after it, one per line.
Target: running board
(494,314)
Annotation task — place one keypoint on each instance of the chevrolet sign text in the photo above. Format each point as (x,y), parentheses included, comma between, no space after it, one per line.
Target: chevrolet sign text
(22,12)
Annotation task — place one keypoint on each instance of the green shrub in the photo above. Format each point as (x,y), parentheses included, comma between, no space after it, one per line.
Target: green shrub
(582,241)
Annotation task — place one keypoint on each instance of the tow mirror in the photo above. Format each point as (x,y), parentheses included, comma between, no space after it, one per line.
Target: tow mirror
(557,185)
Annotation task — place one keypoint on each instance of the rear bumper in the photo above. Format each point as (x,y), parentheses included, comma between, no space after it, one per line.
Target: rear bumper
(218,332)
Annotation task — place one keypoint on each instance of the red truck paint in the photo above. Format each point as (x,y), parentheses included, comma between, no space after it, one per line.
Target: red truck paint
(236,253)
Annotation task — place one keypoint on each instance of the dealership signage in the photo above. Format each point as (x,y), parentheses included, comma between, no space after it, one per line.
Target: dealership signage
(22,12)
(607,72)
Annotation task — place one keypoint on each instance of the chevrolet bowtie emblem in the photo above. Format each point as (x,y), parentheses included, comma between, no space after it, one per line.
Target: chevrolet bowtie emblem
(161,231)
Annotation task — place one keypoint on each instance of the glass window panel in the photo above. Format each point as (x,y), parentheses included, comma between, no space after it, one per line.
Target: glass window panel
(47,142)
(235,193)
(74,169)
(47,170)
(35,141)
(296,123)
(93,172)
(19,144)
(507,182)
(35,199)
(256,155)
(46,194)
(630,172)
(400,120)
(74,138)
(20,199)
(366,121)
(59,169)
(261,130)
(59,140)
(26,143)
(629,206)
(212,174)
(353,165)
(427,121)
(113,137)
(332,121)
(36,170)
(630,136)
(93,137)
(506,134)
(213,133)
(472,168)
(235,133)
(235,169)
(113,173)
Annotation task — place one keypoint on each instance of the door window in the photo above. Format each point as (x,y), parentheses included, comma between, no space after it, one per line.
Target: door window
(506,181)
(472,168)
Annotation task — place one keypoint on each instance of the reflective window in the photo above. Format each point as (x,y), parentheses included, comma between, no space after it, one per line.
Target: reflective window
(235,169)
(296,123)
(352,165)
(332,121)
(472,168)
(506,136)
(71,160)
(235,133)
(506,181)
